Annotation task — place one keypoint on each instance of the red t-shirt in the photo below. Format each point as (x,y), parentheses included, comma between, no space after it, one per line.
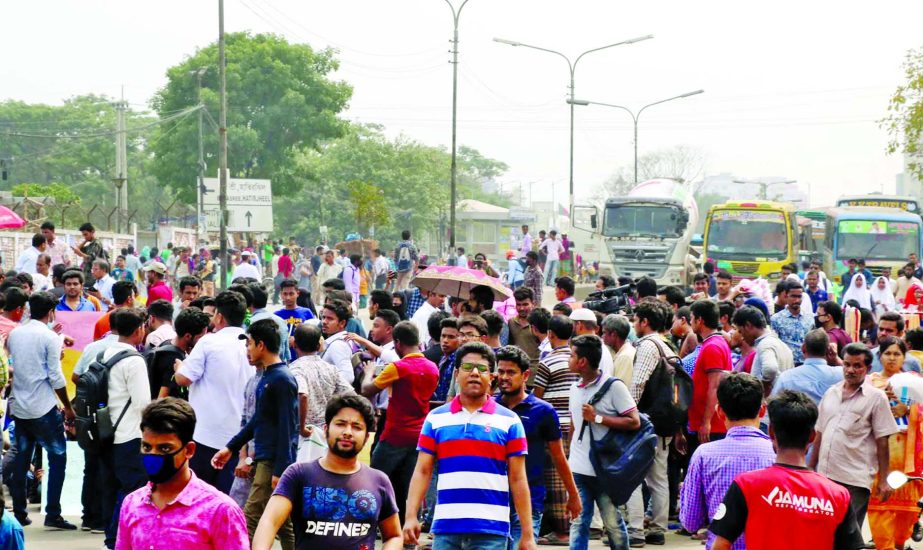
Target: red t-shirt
(787,507)
(715,355)
(412,380)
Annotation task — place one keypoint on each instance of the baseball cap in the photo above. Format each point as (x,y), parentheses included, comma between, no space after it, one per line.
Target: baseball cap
(157,267)
(583,314)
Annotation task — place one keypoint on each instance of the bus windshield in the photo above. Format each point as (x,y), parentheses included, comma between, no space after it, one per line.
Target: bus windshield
(876,240)
(644,220)
(747,234)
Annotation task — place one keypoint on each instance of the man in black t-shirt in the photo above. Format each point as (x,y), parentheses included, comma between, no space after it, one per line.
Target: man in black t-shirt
(335,502)
(787,505)
(190,325)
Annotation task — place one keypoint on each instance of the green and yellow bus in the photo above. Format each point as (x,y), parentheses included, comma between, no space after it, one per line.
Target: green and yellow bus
(752,238)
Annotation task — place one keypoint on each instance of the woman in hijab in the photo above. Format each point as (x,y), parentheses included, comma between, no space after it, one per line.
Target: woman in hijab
(859,292)
(882,298)
(913,301)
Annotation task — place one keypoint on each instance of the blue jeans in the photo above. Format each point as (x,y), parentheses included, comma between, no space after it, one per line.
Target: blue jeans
(398,464)
(551,272)
(469,542)
(591,493)
(47,431)
(516,526)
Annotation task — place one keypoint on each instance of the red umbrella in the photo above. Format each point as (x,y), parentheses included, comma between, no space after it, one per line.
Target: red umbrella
(10,219)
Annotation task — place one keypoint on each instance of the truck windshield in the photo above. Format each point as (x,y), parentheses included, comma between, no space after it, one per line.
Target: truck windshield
(643,220)
(876,240)
(747,234)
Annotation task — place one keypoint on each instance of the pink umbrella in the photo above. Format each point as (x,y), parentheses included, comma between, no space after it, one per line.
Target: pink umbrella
(10,219)
(458,281)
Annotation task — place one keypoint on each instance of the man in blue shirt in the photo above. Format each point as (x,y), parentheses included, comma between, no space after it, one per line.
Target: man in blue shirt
(73,299)
(38,385)
(273,427)
(542,428)
(814,376)
(291,312)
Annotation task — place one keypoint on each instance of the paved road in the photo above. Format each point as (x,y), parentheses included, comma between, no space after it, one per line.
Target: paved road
(37,538)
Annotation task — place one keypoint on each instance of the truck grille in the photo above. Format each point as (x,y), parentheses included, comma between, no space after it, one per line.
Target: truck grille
(744,268)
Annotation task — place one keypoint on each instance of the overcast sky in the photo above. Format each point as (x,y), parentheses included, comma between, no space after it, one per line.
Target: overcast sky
(792,89)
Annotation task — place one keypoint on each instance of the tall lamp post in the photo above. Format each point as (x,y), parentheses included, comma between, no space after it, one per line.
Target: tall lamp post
(222,151)
(572,66)
(764,185)
(634,116)
(456,13)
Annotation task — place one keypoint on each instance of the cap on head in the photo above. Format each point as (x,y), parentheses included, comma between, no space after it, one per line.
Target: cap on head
(157,267)
(583,314)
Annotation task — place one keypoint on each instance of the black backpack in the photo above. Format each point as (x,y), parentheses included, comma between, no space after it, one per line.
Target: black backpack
(150,358)
(91,403)
(667,395)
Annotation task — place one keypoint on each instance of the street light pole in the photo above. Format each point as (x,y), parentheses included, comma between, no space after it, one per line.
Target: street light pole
(764,185)
(454,168)
(222,152)
(572,67)
(634,116)
(200,225)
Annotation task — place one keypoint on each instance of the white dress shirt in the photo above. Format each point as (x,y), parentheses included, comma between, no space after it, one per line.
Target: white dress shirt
(219,370)
(247,270)
(421,318)
(127,380)
(26,261)
(339,353)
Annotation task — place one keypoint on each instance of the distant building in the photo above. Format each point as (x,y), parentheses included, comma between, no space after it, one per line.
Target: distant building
(485,228)
(907,183)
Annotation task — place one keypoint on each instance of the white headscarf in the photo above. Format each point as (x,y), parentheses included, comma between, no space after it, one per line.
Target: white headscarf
(859,293)
(884,299)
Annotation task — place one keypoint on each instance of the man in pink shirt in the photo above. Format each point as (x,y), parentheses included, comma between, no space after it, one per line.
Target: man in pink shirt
(176,509)
(157,288)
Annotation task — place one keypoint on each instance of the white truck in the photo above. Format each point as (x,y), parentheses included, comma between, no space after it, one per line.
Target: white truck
(646,232)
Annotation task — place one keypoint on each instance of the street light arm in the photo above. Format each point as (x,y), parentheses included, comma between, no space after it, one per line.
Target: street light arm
(681,96)
(622,43)
(456,13)
(582,102)
(539,48)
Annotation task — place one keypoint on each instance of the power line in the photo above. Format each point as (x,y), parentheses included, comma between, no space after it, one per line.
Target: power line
(108,133)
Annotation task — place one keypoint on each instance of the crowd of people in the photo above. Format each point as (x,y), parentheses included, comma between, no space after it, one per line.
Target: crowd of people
(452,422)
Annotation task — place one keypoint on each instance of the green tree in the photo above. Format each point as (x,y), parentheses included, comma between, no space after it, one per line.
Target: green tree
(280,100)
(73,145)
(904,122)
(365,179)
(682,163)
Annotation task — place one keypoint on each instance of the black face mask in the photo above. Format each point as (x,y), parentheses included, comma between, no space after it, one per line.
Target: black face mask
(161,468)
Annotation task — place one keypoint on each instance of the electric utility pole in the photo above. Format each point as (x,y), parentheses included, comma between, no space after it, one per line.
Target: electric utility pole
(222,151)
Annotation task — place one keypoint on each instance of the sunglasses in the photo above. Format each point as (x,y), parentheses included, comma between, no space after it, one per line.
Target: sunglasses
(468,367)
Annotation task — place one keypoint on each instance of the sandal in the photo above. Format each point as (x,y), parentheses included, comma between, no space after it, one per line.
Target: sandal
(553,539)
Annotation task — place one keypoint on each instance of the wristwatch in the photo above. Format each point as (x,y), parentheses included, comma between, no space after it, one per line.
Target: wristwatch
(248,461)
(598,419)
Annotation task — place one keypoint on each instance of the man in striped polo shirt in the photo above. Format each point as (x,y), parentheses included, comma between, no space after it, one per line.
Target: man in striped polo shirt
(553,380)
(480,447)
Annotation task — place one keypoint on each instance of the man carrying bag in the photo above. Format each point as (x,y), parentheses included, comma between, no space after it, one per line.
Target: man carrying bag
(618,440)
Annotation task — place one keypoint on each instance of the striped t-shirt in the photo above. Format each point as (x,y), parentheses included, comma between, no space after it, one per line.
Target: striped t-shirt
(472,449)
(554,376)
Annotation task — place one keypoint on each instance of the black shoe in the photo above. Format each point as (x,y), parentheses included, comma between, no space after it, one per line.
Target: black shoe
(24,520)
(917,535)
(98,529)
(59,524)
(84,526)
(656,538)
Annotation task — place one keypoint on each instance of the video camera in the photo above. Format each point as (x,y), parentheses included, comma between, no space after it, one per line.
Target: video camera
(610,300)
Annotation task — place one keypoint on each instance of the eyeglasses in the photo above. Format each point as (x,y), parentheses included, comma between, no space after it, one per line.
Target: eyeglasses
(468,367)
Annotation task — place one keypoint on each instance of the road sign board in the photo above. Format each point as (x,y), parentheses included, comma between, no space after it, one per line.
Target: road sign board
(249,205)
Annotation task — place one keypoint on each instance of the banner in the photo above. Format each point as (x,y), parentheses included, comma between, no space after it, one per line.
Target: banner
(79,326)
